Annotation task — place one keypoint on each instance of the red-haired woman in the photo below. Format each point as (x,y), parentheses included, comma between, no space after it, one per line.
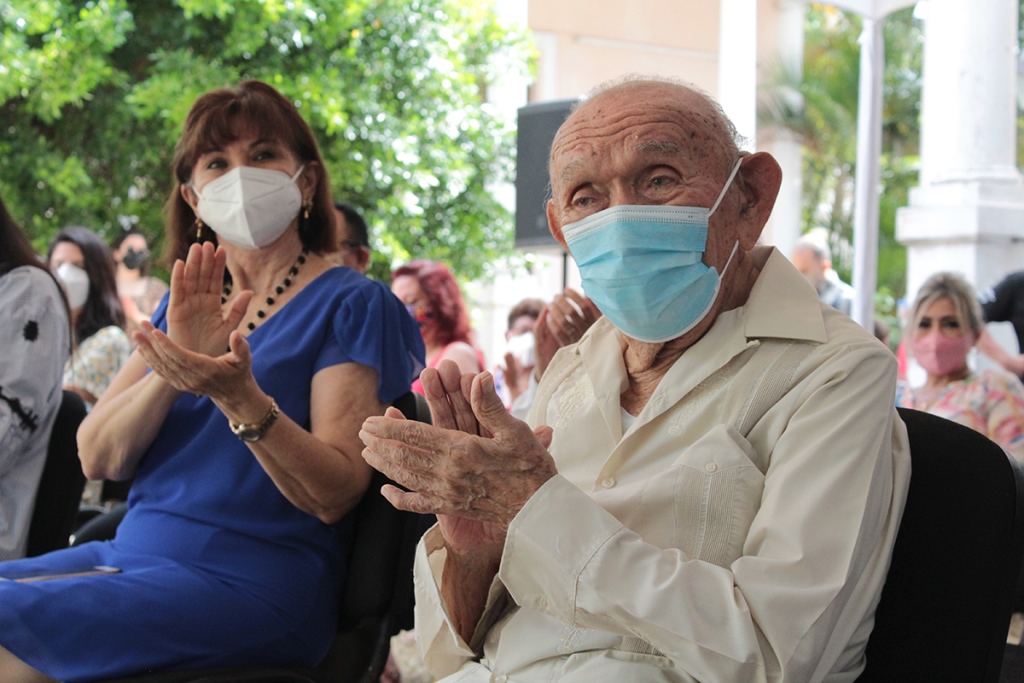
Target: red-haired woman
(432,296)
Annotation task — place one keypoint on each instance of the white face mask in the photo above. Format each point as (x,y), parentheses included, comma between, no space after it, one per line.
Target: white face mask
(76,284)
(250,207)
(522,347)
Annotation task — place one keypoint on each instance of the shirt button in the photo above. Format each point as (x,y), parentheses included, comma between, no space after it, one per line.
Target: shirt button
(500,678)
(608,482)
(710,467)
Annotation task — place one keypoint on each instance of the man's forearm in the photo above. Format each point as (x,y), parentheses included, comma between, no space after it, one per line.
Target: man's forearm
(465,584)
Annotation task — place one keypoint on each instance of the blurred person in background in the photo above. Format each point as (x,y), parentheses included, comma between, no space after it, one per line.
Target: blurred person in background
(813,259)
(513,378)
(945,323)
(140,292)
(85,268)
(432,297)
(353,239)
(35,336)
(560,323)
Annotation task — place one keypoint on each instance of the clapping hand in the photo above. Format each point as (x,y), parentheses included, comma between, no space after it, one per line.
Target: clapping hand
(202,351)
(195,317)
(475,467)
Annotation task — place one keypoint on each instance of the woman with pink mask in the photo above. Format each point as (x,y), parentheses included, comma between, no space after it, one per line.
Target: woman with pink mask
(945,323)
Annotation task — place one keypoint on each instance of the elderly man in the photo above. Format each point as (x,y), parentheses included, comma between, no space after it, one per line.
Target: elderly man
(717,474)
(812,258)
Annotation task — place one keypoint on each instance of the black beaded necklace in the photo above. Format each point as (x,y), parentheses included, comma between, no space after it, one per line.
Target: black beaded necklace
(278,291)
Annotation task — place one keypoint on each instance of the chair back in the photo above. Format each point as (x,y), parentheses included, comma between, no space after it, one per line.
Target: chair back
(60,487)
(377,600)
(945,608)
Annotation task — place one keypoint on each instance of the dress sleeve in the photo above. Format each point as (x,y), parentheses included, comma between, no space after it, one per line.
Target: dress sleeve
(97,359)
(373,328)
(35,340)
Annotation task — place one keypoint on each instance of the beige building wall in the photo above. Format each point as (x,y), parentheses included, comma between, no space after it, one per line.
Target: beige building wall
(582,43)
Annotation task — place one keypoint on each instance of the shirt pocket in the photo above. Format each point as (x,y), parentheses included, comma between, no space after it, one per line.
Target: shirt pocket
(714,491)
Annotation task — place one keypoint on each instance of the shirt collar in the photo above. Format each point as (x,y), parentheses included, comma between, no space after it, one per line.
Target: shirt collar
(782,303)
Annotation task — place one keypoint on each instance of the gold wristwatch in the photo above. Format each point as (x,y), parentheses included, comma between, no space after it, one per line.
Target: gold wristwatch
(252,433)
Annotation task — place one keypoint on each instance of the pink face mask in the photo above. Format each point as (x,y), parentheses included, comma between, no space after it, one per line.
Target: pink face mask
(940,354)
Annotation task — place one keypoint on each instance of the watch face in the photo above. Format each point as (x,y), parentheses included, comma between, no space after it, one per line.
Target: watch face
(249,433)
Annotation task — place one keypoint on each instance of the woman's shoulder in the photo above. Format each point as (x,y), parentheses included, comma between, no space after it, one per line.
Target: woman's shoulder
(340,282)
(155,287)
(464,354)
(29,279)
(999,380)
(111,335)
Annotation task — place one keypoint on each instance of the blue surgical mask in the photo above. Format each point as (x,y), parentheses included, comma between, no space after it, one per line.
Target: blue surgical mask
(641,265)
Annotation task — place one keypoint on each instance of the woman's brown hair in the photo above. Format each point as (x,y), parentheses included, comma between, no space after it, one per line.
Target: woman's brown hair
(221,117)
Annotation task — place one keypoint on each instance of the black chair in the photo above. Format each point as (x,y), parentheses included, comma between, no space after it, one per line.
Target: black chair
(60,488)
(101,526)
(945,608)
(376,602)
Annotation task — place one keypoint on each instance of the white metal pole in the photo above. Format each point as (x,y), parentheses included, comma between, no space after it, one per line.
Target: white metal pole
(869,150)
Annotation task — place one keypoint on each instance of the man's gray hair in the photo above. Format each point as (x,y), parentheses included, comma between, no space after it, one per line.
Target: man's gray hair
(816,242)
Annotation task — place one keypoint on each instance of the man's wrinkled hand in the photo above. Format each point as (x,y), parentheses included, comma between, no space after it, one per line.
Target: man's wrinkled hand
(475,463)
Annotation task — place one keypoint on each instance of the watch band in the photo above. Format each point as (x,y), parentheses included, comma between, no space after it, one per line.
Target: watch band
(253,432)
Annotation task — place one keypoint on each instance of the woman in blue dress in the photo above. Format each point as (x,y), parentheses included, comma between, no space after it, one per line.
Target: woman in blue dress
(238,415)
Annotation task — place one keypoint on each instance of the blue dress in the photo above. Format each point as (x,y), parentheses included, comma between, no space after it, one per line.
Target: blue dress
(218,568)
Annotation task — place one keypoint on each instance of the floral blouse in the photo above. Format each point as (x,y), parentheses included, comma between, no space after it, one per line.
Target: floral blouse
(990,402)
(97,359)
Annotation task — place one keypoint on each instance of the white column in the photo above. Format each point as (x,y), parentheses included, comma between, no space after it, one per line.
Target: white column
(786,222)
(737,64)
(967,214)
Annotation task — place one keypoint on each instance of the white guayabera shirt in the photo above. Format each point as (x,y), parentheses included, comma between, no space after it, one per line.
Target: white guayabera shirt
(740,528)
(34,344)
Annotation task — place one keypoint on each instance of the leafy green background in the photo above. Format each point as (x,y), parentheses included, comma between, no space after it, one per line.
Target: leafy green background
(93,95)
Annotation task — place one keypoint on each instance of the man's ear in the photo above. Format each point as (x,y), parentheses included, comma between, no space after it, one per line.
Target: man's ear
(363,259)
(761,178)
(554,225)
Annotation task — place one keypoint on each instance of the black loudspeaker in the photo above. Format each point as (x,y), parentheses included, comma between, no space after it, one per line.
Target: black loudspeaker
(538,124)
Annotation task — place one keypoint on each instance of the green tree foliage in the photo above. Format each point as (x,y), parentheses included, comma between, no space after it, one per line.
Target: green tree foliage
(821,107)
(93,94)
